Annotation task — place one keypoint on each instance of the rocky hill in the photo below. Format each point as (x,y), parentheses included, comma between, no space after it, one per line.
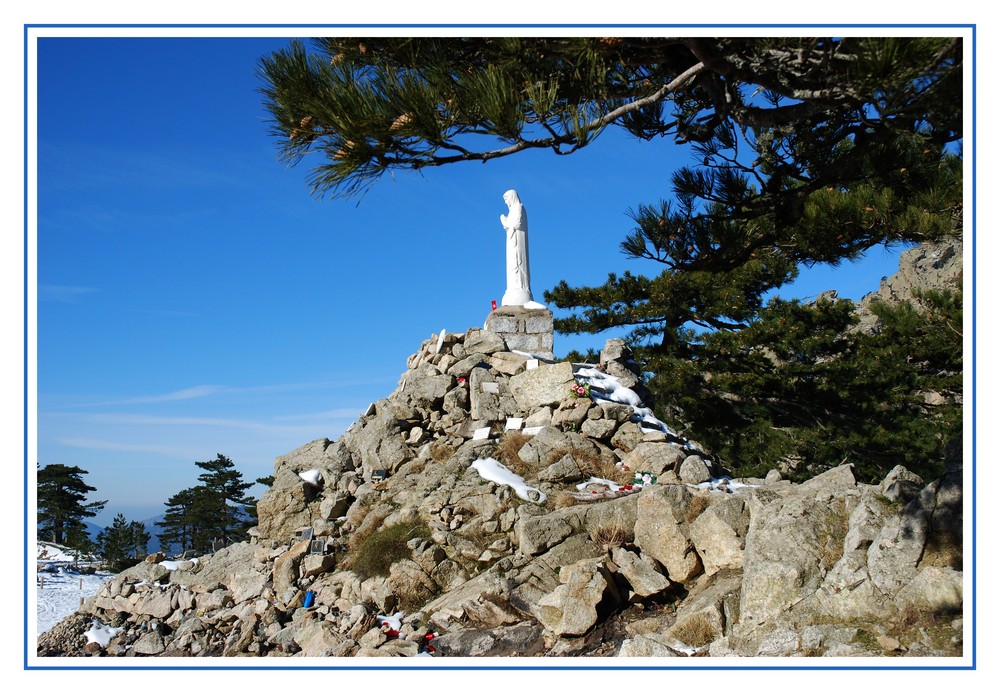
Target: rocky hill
(497,504)
(928,266)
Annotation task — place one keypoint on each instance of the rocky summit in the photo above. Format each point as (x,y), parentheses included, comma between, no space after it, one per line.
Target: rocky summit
(501,504)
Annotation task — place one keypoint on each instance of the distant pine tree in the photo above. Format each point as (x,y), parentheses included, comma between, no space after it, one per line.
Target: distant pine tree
(123,543)
(212,514)
(62,505)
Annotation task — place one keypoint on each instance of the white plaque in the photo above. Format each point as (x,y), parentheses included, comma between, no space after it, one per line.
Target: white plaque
(531,431)
(514,423)
(491,387)
(531,364)
(481,434)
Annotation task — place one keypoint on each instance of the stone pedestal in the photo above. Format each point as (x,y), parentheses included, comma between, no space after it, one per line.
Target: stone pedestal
(523,329)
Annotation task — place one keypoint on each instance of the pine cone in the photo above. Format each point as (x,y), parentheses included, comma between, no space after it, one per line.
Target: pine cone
(400,122)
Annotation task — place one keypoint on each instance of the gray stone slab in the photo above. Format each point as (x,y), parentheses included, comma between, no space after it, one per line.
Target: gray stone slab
(545,385)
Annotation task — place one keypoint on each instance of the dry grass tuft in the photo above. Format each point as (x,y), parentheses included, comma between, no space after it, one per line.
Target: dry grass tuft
(581,456)
(563,499)
(591,464)
(695,632)
(414,467)
(606,469)
(507,449)
(441,452)
(607,537)
(368,521)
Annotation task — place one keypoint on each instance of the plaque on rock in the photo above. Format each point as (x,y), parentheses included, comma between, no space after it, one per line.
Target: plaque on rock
(513,423)
(481,434)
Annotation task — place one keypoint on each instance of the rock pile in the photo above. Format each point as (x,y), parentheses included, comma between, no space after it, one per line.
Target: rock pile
(389,542)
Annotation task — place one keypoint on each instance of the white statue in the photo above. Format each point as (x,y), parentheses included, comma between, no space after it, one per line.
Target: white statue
(515,223)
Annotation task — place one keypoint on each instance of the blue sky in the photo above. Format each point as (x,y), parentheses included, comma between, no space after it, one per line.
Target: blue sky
(194,299)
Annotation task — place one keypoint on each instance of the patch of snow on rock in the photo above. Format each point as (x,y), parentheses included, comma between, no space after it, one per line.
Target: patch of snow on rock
(312,477)
(101,634)
(494,471)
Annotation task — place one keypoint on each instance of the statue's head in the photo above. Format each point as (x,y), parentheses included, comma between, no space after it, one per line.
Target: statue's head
(510,197)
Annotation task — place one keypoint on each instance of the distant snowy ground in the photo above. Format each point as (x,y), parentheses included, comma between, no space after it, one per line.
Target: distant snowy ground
(60,589)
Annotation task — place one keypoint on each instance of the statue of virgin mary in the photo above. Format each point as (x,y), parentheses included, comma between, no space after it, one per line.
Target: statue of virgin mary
(515,224)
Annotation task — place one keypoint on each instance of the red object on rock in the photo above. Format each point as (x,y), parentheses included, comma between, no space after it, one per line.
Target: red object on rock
(494,305)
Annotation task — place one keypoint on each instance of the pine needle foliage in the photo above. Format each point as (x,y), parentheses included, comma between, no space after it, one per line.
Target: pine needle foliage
(800,385)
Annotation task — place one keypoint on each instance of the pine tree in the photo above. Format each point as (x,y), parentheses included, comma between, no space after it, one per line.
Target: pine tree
(139,539)
(806,150)
(62,504)
(227,494)
(179,522)
(210,515)
(123,543)
(801,388)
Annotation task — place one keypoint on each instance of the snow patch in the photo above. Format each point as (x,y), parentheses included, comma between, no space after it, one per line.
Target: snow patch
(101,634)
(722,484)
(174,565)
(49,552)
(606,387)
(312,477)
(494,471)
(599,481)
